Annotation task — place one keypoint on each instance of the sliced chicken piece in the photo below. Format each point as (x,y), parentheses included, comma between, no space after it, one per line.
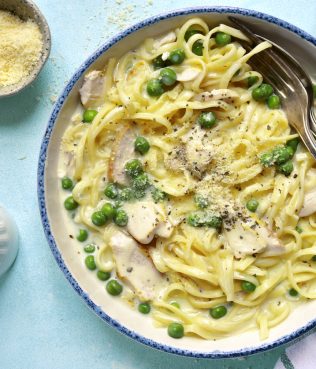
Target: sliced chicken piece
(198,153)
(122,151)
(188,74)
(164,229)
(166,39)
(145,220)
(309,205)
(247,238)
(92,91)
(220,94)
(274,246)
(135,267)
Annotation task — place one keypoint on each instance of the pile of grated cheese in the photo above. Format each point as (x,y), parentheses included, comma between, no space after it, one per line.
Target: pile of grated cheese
(21,45)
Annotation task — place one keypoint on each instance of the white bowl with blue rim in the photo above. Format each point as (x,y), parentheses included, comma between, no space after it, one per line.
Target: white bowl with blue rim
(113,310)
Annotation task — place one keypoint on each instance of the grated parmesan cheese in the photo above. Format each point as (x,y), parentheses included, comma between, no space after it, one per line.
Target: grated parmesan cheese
(21,44)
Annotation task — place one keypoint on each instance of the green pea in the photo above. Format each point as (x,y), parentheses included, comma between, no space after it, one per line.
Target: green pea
(314,258)
(90,263)
(158,195)
(282,154)
(121,218)
(66,183)
(109,210)
(89,249)
(168,76)
(207,119)
(114,288)
(293,292)
(298,229)
(176,56)
(293,143)
(248,286)
(82,235)
(274,102)
(175,330)
(141,182)
(262,92)
(134,168)
(266,159)
(144,308)
(141,145)
(222,39)
(98,218)
(266,90)
(197,48)
(190,32)
(155,87)
(252,205)
(251,80)
(158,62)
(89,115)
(286,168)
(70,203)
(314,91)
(218,312)
(201,201)
(103,276)
(213,221)
(175,304)
(111,191)
(196,219)
(126,194)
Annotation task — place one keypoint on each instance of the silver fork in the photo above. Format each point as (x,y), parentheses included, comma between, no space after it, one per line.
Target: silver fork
(303,76)
(289,80)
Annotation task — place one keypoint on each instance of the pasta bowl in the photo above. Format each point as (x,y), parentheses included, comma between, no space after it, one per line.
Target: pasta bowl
(57,228)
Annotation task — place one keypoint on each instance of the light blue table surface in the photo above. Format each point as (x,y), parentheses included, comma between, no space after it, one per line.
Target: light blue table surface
(43,323)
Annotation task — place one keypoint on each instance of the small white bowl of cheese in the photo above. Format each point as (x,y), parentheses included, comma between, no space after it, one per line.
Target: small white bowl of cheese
(25,44)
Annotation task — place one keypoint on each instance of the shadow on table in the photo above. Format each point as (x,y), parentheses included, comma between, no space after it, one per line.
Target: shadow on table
(3,279)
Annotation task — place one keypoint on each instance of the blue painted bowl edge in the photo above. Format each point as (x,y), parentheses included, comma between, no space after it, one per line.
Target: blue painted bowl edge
(41,180)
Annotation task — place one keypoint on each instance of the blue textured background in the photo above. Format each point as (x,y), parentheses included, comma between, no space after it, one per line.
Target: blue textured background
(43,323)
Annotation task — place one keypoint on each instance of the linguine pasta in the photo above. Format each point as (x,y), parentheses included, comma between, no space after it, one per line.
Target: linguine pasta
(196,267)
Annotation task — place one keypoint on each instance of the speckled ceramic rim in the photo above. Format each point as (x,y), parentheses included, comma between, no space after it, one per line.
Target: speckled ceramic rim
(42,198)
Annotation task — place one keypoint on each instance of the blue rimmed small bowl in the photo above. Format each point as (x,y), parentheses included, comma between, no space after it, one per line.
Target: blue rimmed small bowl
(57,228)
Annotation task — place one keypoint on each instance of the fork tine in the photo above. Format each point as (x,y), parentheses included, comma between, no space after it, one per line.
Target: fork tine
(281,54)
(251,35)
(279,58)
(304,77)
(274,59)
(278,68)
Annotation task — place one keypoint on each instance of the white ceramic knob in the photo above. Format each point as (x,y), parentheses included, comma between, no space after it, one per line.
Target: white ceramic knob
(9,241)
